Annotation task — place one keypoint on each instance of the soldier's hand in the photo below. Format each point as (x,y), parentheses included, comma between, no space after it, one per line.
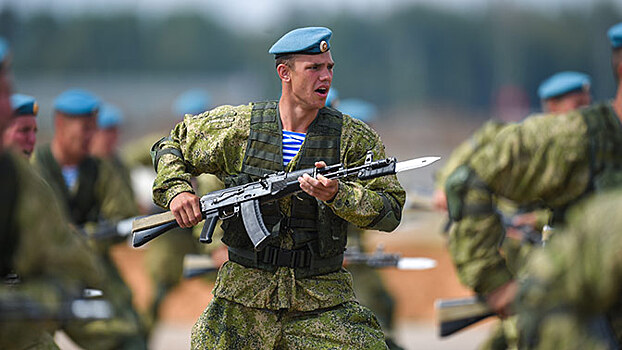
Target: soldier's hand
(500,300)
(321,188)
(440,200)
(186,209)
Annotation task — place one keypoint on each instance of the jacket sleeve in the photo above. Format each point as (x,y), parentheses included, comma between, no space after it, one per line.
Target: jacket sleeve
(373,204)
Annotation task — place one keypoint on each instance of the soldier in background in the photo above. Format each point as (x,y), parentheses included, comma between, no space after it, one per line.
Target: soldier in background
(21,133)
(38,249)
(90,191)
(553,162)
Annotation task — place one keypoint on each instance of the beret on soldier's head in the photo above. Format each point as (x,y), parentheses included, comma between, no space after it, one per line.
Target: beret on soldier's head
(193,102)
(358,109)
(24,105)
(306,41)
(109,116)
(76,102)
(615,36)
(563,83)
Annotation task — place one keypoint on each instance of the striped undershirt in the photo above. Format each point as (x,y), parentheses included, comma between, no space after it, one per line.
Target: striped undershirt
(291,145)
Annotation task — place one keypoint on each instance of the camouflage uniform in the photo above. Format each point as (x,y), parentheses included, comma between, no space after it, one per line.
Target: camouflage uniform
(575,281)
(42,249)
(549,160)
(269,308)
(513,250)
(99,195)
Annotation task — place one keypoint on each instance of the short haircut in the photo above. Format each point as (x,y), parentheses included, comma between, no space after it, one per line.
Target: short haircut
(286,59)
(616,61)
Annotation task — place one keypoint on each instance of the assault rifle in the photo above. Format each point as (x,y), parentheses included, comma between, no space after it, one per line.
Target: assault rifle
(31,301)
(197,265)
(105,229)
(245,199)
(454,315)
(380,259)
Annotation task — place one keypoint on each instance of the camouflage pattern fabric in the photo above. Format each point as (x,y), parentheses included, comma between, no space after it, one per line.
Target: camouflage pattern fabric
(227,325)
(574,279)
(215,142)
(46,250)
(544,159)
(115,203)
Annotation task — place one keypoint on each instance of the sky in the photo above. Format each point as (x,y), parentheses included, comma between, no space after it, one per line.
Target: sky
(259,14)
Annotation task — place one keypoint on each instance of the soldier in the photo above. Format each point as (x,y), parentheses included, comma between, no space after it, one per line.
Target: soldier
(554,162)
(570,297)
(90,190)
(35,241)
(21,133)
(105,141)
(283,302)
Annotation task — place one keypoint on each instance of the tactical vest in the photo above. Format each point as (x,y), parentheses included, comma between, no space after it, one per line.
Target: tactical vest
(605,142)
(314,228)
(9,237)
(83,205)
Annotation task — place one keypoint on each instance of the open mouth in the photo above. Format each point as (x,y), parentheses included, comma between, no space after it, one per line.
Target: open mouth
(322,91)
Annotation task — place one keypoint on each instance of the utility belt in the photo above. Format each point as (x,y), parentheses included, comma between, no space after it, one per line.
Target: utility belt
(304,261)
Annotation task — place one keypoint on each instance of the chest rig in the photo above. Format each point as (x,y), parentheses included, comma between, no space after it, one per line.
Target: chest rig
(318,235)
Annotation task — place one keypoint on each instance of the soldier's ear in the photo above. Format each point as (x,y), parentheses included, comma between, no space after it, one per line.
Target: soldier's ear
(284,72)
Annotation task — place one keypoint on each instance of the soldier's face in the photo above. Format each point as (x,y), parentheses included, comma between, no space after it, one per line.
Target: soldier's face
(74,135)
(311,77)
(21,134)
(104,142)
(569,102)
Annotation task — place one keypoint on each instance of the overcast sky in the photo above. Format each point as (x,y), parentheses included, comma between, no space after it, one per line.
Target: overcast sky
(258,14)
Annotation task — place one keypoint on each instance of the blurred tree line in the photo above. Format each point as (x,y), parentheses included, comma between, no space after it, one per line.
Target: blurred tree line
(415,56)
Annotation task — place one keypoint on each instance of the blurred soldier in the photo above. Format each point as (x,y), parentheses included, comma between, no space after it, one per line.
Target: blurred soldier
(551,161)
(35,241)
(571,295)
(21,133)
(560,93)
(369,287)
(90,191)
(302,298)
(106,140)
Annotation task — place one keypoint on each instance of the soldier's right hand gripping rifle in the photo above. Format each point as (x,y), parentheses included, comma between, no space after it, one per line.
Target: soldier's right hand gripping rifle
(245,199)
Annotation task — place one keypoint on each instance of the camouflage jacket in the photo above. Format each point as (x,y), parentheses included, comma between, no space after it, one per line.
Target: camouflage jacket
(576,278)
(545,159)
(215,142)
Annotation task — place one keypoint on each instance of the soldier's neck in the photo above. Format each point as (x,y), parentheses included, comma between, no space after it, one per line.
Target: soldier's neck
(60,156)
(295,117)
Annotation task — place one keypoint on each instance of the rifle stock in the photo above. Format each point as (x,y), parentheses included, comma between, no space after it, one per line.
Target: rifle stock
(149,227)
(454,315)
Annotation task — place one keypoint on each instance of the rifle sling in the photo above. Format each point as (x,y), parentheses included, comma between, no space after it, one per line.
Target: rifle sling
(303,261)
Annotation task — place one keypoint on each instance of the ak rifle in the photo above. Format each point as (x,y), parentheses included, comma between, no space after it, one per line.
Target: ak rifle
(245,199)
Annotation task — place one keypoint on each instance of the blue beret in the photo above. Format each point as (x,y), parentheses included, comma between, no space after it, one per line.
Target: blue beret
(193,102)
(308,41)
(359,109)
(109,116)
(615,36)
(333,96)
(76,102)
(24,105)
(4,50)
(563,83)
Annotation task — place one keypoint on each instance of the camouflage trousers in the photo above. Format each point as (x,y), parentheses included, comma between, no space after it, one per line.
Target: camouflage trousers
(229,325)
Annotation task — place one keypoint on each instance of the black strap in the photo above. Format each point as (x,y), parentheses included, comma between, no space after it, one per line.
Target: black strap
(272,257)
